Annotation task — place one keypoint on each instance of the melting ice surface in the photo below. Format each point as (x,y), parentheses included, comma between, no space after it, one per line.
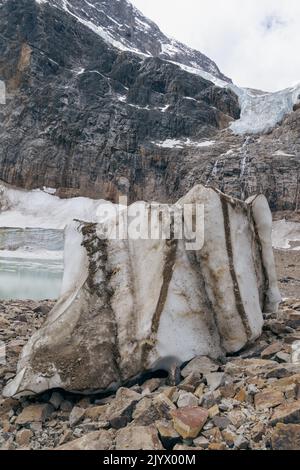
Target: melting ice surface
(31,263)
(261,112)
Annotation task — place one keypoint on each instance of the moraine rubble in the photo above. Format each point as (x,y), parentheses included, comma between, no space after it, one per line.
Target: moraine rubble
(251,400)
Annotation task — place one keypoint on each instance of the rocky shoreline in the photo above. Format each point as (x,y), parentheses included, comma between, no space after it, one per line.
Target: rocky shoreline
(247,401)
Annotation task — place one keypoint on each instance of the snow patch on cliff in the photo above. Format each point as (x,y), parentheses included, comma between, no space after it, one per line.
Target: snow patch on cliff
(202,73)
(181,143)
(281,153)
(100,31)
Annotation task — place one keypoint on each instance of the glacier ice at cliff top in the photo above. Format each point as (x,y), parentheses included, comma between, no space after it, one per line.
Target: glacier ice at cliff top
(260,111)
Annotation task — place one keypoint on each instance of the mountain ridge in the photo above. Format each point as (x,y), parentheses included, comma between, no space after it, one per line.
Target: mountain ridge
(82,115)
(89,119)
(123,26)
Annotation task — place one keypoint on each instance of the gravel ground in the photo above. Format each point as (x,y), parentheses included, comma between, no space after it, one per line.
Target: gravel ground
(250,400)
(288,272)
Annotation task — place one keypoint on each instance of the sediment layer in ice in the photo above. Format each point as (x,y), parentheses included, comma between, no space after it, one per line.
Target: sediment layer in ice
(131,305)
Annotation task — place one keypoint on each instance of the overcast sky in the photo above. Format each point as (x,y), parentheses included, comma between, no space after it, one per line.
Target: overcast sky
(255,42)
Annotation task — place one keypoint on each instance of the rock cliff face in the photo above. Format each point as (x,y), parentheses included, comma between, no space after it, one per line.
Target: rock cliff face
(131,305)
(81,114)
(101,103)
(120,24)
(264,163)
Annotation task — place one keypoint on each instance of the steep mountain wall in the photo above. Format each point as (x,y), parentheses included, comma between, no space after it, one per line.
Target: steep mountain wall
(101,103)
(81,114)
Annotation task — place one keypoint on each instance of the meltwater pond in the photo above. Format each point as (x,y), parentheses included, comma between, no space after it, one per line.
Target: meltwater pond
(31,263)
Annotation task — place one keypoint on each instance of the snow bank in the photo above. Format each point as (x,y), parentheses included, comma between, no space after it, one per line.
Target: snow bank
(29,209)
(285,233)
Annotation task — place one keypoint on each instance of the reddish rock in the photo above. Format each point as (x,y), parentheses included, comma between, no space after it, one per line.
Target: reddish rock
(7,404)
(268,399)
(98,440)
(189,421)
(34,414)
(23,437)
(96,412)
(241,395)
(287,413)
(138,438)
(217,446)
(271,350)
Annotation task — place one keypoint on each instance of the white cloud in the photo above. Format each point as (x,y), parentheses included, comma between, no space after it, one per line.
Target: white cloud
(255,42)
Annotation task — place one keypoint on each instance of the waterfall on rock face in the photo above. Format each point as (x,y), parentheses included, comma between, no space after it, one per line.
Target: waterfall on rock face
(31,263)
